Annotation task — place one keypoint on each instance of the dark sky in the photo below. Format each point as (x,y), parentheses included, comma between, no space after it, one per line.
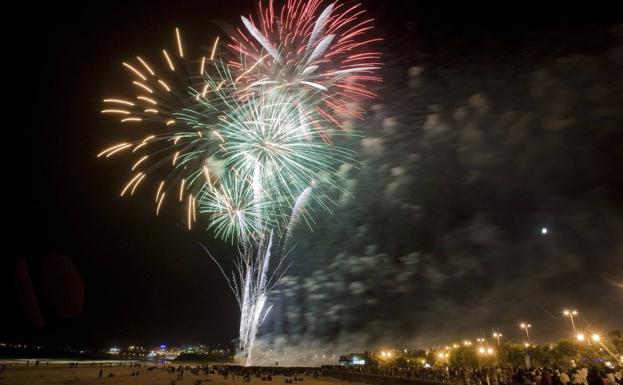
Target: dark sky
(147,280)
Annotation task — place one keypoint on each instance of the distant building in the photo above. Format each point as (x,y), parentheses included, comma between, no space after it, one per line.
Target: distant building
(353,359)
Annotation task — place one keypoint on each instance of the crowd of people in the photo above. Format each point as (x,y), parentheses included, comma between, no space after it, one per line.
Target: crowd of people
(382,375)
(232,372)
(501,376)
(536,376)
(292,374)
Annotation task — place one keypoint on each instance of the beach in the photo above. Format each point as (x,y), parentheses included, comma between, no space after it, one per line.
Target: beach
(87,373)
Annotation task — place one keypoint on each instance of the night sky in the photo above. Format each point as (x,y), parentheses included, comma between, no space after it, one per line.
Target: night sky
(494,120)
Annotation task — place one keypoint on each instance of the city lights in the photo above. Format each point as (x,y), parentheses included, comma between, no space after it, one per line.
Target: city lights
(596,337)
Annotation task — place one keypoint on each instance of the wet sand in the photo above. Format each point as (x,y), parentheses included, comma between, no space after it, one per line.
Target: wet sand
(86,374)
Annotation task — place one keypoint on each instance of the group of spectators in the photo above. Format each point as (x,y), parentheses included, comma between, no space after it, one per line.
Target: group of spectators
(536,376)
(593,375)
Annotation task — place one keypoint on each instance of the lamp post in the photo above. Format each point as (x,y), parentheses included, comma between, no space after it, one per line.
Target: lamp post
(526,326)
(597,339)
(497,336)
(482,351)
(570,314)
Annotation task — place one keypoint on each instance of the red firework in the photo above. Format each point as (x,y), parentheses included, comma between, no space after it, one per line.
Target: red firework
(316,45)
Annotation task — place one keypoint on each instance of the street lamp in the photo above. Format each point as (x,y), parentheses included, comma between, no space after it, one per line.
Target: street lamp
(596,337)
(526,326)
(570,314)
(487,351)
(498,336)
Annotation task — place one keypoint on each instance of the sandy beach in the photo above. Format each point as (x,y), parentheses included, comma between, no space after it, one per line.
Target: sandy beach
(87,374)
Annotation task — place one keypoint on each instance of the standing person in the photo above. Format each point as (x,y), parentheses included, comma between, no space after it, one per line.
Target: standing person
(501,375)
(100,374)
(584,376)
(556,377)
(546,377)
(611,379)
(564,378)
(493,377)
(576,378)
(593,377)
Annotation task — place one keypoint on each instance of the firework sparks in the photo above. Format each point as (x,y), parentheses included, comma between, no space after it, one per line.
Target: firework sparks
(160,101)
(251,282)
(325,51)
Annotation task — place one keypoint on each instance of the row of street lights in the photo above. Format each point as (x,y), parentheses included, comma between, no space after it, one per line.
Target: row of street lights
(526,326)
(483,349)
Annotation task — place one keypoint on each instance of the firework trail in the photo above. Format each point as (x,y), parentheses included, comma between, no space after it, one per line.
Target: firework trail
(251,281)
(297,212)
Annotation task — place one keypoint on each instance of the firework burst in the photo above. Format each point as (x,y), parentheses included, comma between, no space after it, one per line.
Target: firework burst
(271,150)
(235,212)
(309,46)
(225,143)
